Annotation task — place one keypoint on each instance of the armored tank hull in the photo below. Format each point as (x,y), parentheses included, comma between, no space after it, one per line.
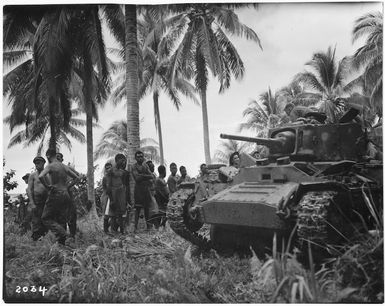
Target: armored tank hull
(300,195)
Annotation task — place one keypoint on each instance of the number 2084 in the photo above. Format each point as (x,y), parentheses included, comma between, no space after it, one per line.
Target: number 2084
(32,289)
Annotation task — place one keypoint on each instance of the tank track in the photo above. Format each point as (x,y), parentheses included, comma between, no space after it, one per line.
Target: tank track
(312,212)
(175,219)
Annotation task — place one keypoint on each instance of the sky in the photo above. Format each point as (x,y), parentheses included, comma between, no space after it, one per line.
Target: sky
(289,32)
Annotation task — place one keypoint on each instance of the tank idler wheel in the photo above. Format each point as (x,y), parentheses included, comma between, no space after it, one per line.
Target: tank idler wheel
(190,218)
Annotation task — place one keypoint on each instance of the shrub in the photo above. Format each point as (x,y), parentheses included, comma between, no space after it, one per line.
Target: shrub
(80,196)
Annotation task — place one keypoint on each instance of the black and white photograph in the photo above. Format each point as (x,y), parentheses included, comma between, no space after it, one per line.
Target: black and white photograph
(192,152)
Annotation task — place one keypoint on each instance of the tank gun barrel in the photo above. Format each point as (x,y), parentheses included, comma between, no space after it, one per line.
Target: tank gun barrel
(277,144)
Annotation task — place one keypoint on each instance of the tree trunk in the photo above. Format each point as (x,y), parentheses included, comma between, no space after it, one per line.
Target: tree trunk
(52,106)
(206,137)
(90,153)
(158,126)
(131,59)
(52,126)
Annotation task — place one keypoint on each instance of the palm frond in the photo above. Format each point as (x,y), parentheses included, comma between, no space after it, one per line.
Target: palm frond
(114,17)
(206,46)
(12,79)
(307,99)
(187,89)
(364,25)
(324,65)
(17,139)
(309,80)
(229,20)
(16,57)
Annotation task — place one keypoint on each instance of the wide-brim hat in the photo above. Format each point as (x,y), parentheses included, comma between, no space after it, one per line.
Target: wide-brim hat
(38,158)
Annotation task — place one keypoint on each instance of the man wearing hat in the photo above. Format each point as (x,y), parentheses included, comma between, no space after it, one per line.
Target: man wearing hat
(37,195)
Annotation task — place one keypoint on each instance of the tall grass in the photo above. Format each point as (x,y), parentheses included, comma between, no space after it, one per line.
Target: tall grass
(356,275)
(361,266)
(288,281)
(148,267)
(158,267)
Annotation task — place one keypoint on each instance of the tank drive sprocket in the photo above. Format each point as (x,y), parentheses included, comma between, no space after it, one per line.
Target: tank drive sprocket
(180,222)
(319,221)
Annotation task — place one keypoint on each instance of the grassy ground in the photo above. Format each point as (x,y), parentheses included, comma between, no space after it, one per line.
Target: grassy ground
(158,267)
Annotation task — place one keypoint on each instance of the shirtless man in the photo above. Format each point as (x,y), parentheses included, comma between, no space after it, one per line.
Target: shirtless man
(183,176)
(204,170)
(151,166)
(118,191)
(55,213)
(72,213)
(162,194)
(173,178)
(37,195)
(143,184)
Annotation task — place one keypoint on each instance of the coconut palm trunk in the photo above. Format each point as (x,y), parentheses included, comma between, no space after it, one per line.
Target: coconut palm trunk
(52,121)
(90,144)
(206,137)
(131,58)
(158,126)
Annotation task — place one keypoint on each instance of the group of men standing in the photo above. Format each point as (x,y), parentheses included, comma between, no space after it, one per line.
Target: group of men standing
(52,206)
(151,192)
(50,199)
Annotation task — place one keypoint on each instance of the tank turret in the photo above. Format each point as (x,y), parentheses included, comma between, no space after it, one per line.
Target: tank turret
(313,142)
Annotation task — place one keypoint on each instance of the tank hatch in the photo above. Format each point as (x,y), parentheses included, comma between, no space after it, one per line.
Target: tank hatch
(250,204)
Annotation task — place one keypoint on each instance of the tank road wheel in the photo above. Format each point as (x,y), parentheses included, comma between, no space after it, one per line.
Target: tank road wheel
(321,223)
(190,219)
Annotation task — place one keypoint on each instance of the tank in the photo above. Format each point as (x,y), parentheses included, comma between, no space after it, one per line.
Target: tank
(317,186)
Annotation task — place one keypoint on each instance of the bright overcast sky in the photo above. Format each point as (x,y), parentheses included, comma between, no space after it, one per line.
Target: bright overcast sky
(290,33)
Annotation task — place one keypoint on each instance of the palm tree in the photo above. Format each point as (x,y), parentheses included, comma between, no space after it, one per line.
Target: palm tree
(295,93)
(326,80)
(132,77)
(38,132)
(205,46)
(114,141)
(20,27)
(156,48)
(52,56)
(58,62)
(263,114)
(132,82)
(222,155)
(95,82)
(368,58)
